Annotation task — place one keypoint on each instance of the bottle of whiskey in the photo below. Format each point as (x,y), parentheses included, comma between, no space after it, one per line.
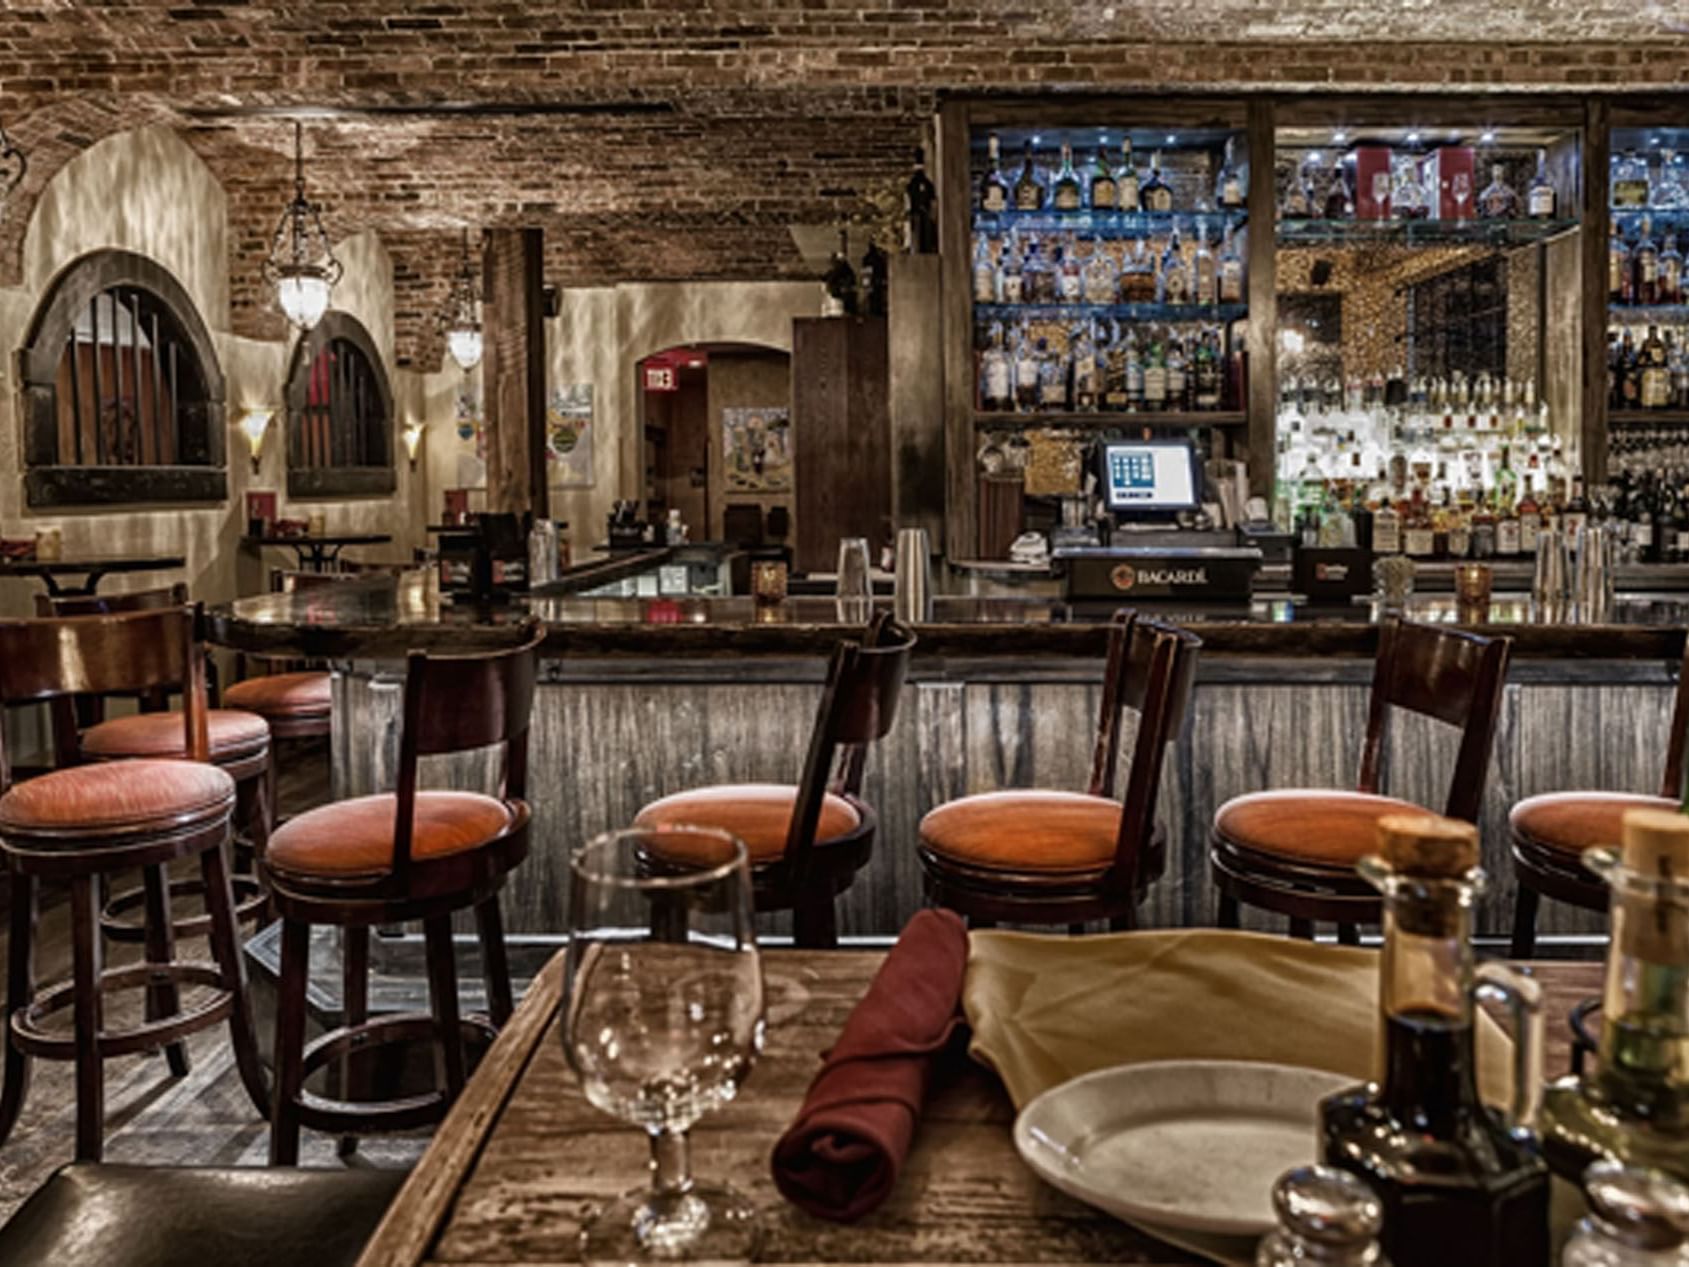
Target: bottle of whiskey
(1635,1107)
(1299,202)
(1230,284)
(1229,191)
(1026,372)
(1541,199)
(1175,274)
(1087,381)
(1618,266)
(1070,276)
(1102,278)
(1105,192)
(1497,201)
(1011,284)
(993,190)
(1155,379)
(1669,289)
(1156,194)
(1645,262)
(1204,271)
(1339,203)
(1137,277)
(920,201)
(1115,396)
(1178,375)
(1460,1186)
(1126,180)
(1053,378)
(1630,186)
(985,275)
(1205,391)
(1065,193)
(996,373)
(1029,185)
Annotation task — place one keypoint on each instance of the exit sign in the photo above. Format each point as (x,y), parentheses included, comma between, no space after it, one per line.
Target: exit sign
(660,378)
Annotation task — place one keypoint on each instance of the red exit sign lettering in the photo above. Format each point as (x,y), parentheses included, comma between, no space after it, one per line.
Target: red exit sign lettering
(660,378)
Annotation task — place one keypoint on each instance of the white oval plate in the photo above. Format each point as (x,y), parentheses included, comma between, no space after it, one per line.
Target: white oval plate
(1191,1145)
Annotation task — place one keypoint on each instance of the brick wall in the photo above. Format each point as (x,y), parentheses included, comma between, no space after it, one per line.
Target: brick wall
(701,128)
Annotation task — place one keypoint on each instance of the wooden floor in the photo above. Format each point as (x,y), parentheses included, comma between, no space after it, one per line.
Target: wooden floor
(204,1119)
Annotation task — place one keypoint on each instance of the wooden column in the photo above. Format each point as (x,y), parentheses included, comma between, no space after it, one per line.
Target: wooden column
(914,326)
(513,371)
(1591,203)
(956,296)
(841,437)
(1263,301)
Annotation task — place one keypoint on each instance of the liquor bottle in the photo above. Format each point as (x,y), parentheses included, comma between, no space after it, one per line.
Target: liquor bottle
(1178,376)
(1105,190)
(1230,193)
(1052,378)
(1102,278)
(920,202)
(1175,273)
(1636,1219)
(1156,194)
(1038,283)
(1669,288)
(1645,263)
(1230,282)
(1155,379)
(1137,277)
(1066,193)
(1618,267)
(1669,192)
(1299,201)
(1126,194)
(1634,1108)
(1070,275)
(1386,529)
(1419,538)
(875,284)
(1575,516)
(1207,389)
(840,279)
(1325,1216)
(1408,200)
(996,373)
(1026,373)
(1497,201)
(1116,398)
(1029,185)
(1339,202)
(1656,377)
(1460,1186)
(1642,522)
(993,189)
(1530,515)
(985,272)
(1087,382)
(1540,198)
(1204,287)
(1629,186)
(1011,273)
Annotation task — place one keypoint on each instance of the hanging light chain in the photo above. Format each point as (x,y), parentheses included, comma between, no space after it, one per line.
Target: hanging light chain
(300,237)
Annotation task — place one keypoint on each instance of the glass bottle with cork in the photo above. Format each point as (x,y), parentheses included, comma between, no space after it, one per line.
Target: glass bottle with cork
(1461,1185)
(1634,1107)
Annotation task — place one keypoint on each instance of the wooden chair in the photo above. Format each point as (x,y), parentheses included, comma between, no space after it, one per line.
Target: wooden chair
(396,857)
(1549,833)
(86,822)
(240,744)
(1293,851)
(807,841)
(1039,856)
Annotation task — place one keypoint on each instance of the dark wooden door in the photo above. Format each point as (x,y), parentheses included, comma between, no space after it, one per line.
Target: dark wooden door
(841,437)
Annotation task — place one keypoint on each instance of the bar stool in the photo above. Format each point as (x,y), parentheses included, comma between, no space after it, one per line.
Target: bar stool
(397,857)
(240,744)
(1039,856)
(1293,851)
(86,822)
(807,841)
(1549,833)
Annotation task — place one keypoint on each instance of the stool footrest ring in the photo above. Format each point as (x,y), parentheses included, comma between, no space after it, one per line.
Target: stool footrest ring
(31,1037)
(364,1117)
(249,904)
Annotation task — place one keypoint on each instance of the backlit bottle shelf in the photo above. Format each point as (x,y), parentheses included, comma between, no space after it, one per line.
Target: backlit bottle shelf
(1649,314)
(1168,313)
(988,420)
(1420,232)
(1108,224)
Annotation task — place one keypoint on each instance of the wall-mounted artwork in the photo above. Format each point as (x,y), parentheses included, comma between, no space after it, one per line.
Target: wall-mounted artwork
(568,436)
(472,440)
(756,450)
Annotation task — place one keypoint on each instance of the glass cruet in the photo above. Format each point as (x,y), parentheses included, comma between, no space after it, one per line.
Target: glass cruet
(1637,1218)
(1634,1107)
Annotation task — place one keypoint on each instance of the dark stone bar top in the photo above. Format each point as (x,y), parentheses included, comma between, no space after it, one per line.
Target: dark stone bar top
(383,617)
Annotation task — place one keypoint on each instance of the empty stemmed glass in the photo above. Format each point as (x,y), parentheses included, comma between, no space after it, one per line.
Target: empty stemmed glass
(663,1018)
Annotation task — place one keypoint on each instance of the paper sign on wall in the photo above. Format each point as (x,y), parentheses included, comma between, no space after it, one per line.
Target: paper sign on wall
(568,436)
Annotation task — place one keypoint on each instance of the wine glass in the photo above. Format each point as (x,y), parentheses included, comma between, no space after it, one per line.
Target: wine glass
(854,587)
(663,1018)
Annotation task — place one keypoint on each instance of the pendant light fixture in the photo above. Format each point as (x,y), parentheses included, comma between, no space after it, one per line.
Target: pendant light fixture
(462,315)
(301,264)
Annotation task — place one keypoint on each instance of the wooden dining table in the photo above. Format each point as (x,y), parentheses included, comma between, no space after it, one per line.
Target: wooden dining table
(523,1158)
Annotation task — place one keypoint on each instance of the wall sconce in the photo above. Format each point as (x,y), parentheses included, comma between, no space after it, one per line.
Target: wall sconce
(413,441)
(254,424)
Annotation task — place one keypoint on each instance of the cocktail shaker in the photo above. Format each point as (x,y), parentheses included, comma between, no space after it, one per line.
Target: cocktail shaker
(912,595)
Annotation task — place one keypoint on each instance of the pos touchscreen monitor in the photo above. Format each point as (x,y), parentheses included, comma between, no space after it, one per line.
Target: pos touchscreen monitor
(1151,476)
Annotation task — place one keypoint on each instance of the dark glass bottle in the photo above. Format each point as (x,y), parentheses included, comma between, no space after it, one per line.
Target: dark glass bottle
(840,278)
(1461,1186)
(920,201)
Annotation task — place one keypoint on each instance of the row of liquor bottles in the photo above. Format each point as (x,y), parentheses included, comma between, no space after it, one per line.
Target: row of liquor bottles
(1014,269)
(1104,184)
(1108,367)
(1647,368)
(1374,182)
(1637,182)
(1643,270)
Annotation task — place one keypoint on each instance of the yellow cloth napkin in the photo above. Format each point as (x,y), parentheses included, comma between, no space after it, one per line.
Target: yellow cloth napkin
(1045,1009)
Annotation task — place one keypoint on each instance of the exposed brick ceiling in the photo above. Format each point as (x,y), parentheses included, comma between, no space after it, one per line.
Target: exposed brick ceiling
(679,138)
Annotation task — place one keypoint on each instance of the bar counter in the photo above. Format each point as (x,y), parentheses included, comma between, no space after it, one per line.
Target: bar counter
(643,697)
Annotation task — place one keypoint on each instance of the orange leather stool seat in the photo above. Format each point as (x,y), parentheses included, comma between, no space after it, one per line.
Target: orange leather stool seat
(283,695)
(233,733)
(107,798)
(1318,825)
(355,837)
(757,813)
(1570,822)
(1057,832)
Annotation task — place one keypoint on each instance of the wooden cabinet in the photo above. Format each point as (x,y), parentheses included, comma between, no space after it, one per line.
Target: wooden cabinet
(841,436)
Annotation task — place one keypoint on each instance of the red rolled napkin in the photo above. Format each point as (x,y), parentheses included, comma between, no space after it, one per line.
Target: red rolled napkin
(841,1156)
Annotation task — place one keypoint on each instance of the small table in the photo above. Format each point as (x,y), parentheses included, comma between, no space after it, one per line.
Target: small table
(320,552)
(91,568)
(523,1156)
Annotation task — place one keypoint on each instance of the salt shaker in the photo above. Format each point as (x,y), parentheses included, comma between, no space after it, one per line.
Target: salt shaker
(1637,1218)
(1325,1215)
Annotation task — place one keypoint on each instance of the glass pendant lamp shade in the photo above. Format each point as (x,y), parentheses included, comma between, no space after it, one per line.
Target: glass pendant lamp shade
(465,346)
(461,316)
(304,297)
(301,264)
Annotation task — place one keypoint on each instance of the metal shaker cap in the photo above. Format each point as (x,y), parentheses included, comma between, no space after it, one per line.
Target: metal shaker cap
(1327,1206)
(1644,1209)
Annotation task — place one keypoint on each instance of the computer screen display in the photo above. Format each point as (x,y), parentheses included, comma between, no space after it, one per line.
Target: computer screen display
(1150,475)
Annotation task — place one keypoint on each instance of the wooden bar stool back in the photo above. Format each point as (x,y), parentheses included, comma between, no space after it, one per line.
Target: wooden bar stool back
(86,822)
(1038,856)
(240,744)
(808,840)
(402,856)
(1293,851)
(1548,833)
